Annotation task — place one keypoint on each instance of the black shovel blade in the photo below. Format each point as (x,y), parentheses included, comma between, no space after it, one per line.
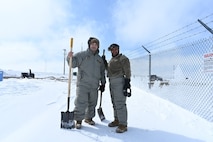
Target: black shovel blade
(67,120)
(101,114)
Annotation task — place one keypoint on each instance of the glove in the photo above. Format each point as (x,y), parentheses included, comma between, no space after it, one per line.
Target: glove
(126,83)
(127,92)
(126,89)
(102,88)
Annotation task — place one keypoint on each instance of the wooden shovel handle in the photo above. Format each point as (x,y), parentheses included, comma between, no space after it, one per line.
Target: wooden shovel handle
(70,75)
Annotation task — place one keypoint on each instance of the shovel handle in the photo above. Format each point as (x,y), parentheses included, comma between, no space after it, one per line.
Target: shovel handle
(70,76)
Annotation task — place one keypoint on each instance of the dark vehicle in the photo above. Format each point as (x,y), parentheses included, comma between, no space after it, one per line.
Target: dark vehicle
(28,75)
(155,77)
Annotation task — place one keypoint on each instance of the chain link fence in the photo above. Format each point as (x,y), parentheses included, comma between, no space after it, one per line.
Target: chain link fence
(187,73)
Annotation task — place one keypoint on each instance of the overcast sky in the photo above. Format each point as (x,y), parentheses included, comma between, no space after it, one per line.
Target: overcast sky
(33,33)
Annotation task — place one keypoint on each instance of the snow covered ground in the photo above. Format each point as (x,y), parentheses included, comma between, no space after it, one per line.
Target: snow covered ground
(31,112)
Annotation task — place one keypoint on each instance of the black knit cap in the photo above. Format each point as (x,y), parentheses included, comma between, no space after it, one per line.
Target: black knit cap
(114,45)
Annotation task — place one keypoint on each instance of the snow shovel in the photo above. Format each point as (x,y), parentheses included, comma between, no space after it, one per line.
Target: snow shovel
(67,118)
(100,111)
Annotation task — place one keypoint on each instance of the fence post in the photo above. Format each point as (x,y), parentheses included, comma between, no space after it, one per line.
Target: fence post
(149,66)
(209,29)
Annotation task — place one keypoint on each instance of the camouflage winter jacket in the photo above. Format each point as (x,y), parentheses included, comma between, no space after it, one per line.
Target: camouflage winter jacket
(91,69)
(119,66)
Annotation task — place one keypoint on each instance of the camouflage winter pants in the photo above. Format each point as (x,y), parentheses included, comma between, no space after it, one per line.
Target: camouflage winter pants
(85,102)
(118,99)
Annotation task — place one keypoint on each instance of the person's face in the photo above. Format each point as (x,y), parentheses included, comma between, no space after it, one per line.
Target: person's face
(114,51)
(93,47)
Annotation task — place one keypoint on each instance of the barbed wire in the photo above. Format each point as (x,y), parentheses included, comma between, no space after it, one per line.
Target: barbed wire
(192,31)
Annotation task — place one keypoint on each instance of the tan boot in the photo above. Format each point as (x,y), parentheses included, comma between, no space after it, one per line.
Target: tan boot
(78,124)
(121,128)
(114,123)
(89,121)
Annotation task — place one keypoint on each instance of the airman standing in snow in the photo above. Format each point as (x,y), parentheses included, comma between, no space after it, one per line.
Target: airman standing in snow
(119,73)
(91,76)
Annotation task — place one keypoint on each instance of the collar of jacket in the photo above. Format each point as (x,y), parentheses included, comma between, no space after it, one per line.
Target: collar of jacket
(90,51)
(117,56)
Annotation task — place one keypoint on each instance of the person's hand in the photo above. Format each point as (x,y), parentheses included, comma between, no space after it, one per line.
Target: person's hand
(70,54)
(127,87)
(102,88)
(127,92)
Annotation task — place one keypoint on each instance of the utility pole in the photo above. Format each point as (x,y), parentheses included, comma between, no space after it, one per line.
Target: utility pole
(64,61)
(149,66)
